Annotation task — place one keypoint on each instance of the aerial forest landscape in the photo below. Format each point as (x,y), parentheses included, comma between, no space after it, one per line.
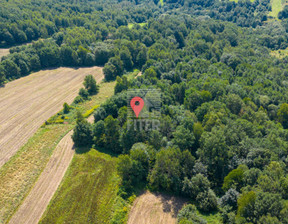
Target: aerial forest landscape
(144,111)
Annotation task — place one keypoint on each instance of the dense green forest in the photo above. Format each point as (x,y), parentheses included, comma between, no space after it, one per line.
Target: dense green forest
(86,33)
(223,137)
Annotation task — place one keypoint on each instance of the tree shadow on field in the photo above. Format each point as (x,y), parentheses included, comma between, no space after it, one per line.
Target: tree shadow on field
(81,150)
(171,204)
(106,151)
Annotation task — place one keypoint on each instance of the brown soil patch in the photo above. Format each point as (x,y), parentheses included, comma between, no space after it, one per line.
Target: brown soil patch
(26,103)
(151,208)
(139,74)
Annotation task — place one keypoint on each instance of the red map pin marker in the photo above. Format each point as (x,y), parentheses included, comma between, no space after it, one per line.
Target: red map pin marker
(137,104)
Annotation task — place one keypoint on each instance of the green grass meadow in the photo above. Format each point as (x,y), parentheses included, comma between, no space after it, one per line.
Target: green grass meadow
(88,192)
(277,6)
(130,25)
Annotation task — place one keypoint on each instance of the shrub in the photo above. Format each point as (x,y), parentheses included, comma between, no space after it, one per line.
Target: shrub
(246,203)
(229,199)
(234,103)
(234,179)
(89,112)
(78,99)
(188,214)
(91,85)
(99,114)
(227,214)
(251,176)
(82,135)
(207,201)
(283,115)
(66,108)
(195,185)
(84,94)
(98,133)
(269,220)
(166,173)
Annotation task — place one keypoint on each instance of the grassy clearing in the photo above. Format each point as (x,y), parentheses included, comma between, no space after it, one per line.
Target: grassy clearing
(20,173)
(130,25)
(87,107)
(88,192)
(211,218)
(277,6)
(279,53)
(132,75)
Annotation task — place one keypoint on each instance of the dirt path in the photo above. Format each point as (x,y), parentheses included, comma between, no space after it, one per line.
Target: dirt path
(39,197)
(155,209)
(26,103)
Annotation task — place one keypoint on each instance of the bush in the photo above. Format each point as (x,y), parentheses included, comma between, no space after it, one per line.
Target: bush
(283,115)
(269,220)
(78,99)
(89,112)
(196,185)
(207,201)
(84,94)
(229,199)
(66,108)
(99,114)
(246,205)
(188,214)
(166,173)
(227,214)
(234,179)
(234,103)
(82,135)
(91,85)
(252,206)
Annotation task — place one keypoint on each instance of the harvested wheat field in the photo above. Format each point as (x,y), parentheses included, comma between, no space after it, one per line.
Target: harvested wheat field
(26,103)
(4,52)
(150,208)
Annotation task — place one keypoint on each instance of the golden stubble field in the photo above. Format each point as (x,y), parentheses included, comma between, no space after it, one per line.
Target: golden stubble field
(4,52)
(30,178)
(152,208)
(26,103)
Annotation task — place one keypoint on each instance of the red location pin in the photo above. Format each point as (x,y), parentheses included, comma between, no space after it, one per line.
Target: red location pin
(137,104)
